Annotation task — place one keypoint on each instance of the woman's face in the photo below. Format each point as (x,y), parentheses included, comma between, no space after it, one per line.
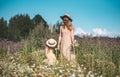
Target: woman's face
(65,20)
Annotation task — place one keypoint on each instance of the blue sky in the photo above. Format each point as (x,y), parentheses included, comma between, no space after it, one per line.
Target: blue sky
(99,17)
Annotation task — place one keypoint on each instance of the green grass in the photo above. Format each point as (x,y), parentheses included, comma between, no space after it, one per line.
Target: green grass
(31,65)
(90,61)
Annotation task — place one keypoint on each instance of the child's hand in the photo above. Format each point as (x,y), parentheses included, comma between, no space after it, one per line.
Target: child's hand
(56,49)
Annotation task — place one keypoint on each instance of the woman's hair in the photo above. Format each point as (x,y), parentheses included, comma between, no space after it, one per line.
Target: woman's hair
(69,27)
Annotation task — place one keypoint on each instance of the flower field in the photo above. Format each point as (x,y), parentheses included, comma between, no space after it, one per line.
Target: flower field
(95,57)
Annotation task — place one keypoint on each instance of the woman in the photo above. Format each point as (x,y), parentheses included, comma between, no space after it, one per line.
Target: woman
(66,38)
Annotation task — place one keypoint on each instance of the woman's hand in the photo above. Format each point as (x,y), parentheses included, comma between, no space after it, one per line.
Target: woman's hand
(73,45)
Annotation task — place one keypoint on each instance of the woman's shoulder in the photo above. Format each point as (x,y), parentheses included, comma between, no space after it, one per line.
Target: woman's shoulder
(61,27)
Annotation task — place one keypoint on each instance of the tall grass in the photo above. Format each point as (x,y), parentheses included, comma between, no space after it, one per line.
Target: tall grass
(100,55)
(94,57)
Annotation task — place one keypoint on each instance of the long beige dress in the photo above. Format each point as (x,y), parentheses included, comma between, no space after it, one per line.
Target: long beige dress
(66,47)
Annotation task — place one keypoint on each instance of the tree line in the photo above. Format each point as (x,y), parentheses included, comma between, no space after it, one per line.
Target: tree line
(21,26)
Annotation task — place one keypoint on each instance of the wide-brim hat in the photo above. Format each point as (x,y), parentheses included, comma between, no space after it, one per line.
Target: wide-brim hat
(66,15)
(51,42)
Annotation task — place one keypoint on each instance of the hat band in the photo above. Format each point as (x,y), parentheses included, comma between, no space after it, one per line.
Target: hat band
(51,43)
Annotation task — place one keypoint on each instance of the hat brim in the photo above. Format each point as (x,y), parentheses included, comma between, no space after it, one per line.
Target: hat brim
(62,17)
(51,45)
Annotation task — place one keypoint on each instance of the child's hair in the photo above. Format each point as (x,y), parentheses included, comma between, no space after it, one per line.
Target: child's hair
(49,48)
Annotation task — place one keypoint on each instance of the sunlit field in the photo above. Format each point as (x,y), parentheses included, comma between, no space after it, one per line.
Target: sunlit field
(95,57)
(31,29)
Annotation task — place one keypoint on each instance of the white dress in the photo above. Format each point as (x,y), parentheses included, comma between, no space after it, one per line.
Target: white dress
(66,47)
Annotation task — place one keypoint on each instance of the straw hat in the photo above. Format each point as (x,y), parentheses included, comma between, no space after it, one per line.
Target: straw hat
(66,15)
(51,42)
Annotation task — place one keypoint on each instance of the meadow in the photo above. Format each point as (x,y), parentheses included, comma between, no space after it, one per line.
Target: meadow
(95,57)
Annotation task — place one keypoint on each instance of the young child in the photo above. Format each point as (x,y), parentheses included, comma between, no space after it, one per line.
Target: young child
(50,47)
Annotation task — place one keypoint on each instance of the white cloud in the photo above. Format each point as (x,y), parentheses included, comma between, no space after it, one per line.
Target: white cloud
(114,34)
(96,32)
(79,31)
(100,32)
(104,32)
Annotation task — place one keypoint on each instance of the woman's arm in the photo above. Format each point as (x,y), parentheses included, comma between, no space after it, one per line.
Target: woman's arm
(59,40)
(72,36)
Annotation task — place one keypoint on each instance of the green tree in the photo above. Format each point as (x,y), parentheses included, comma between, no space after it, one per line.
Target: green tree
(56,27)
(39,35)
(19,27)
(3,28)
(39,19)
